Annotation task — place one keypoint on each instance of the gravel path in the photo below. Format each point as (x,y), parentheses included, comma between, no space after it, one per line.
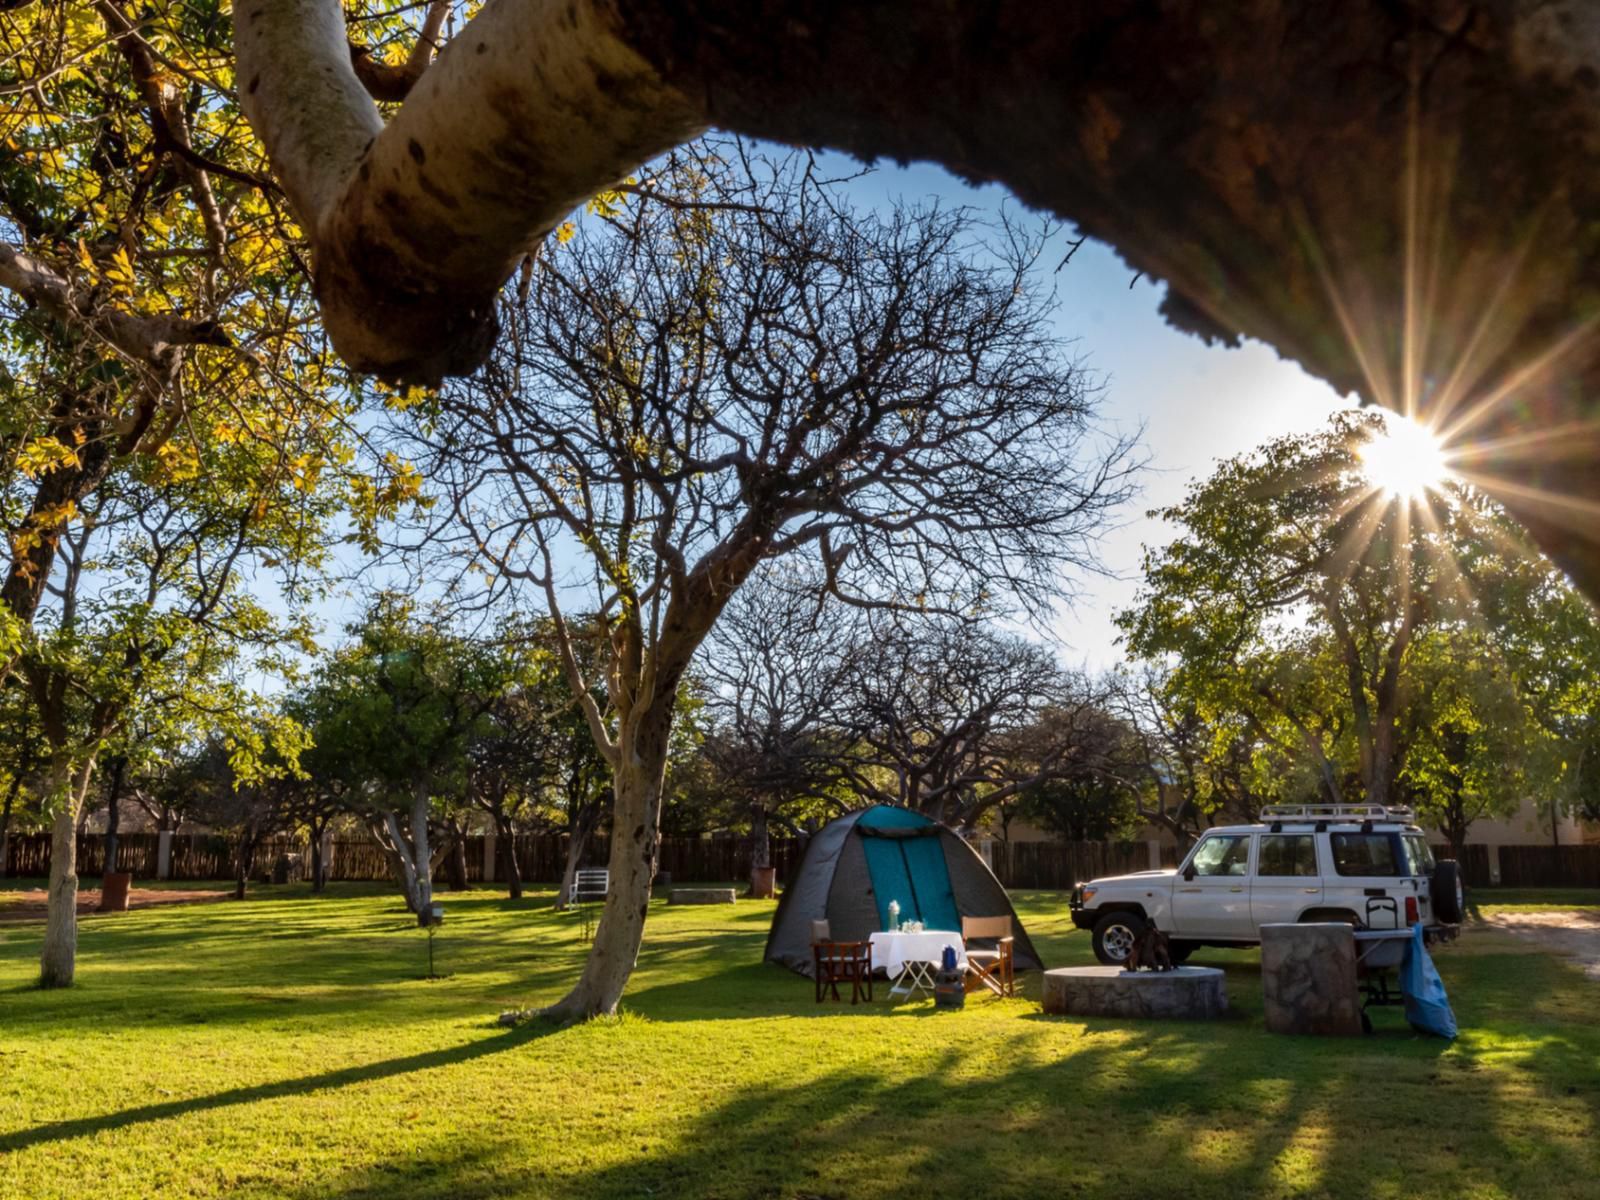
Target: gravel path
(1575,933)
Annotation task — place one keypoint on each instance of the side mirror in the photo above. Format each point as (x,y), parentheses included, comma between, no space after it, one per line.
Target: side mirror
(1188,872)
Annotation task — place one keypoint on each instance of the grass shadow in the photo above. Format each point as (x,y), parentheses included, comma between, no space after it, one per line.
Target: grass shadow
(496,1043)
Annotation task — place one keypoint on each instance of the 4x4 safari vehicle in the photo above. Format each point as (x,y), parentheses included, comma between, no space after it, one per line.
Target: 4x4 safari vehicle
(1365,864)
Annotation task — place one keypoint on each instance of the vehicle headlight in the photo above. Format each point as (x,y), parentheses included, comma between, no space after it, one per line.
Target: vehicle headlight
(1088,893)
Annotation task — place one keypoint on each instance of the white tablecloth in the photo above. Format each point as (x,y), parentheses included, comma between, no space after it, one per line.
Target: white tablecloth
(891,951)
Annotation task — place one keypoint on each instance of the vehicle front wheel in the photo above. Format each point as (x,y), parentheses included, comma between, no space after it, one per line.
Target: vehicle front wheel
(1114,935)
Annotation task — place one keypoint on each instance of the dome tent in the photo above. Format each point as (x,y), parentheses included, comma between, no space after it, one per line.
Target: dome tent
(856,864)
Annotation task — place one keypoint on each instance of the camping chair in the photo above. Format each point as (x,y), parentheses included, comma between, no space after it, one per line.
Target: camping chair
(994,968)
(834,963)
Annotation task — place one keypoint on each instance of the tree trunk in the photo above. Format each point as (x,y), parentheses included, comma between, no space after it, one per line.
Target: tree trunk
(247,859)
(760,843)
(635,844)
(507,849)
(421,855)
(318,877)
(392,841)
(456,872)
(58,958)
(113,815)
(760,836)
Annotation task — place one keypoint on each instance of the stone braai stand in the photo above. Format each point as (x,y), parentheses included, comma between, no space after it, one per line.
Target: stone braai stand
(1308,979)
(1187,993)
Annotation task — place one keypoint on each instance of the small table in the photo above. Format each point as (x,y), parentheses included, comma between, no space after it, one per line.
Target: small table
(910,959)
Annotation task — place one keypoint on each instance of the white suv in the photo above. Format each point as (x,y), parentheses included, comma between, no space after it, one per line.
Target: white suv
(1365,864)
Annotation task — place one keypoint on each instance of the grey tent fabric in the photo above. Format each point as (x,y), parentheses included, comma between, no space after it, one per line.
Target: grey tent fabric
(834,884)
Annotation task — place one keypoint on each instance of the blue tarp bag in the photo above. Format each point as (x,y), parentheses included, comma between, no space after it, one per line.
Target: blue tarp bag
(1427,1007)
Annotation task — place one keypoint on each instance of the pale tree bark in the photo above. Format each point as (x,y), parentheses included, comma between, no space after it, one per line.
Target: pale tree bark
(427,217)
(1416,167)
(639,773)
(68,785)
(411,857)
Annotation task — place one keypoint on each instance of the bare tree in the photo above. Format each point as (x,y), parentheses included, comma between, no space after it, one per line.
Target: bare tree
(731,367)
(775,669)
(952,718)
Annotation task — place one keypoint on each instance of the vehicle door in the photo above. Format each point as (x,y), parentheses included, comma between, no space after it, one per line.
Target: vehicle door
(1211,895)
(1286,881)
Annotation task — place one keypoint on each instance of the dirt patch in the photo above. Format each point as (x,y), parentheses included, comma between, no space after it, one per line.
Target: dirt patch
(1575,934)
(31,905)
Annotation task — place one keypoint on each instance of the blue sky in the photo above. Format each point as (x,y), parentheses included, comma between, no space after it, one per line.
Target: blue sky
(1198,404)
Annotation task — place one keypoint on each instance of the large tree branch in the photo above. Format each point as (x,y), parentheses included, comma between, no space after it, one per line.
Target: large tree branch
(419,222)
(386,81)
(1281,171)
(151,340)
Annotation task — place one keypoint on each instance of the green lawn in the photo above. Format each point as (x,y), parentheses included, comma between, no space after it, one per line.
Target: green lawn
(1534,899)
(285,1047)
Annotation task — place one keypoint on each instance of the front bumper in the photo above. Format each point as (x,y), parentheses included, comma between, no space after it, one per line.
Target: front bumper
(1083,918)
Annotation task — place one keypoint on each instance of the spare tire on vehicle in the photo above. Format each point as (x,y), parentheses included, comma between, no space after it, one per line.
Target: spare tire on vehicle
(1449,899)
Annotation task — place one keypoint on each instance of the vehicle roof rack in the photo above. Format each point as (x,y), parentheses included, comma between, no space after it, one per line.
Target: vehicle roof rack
(1339,813)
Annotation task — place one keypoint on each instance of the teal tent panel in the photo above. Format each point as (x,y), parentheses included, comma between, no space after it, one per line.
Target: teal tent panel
(930,876)
(891,880)
(911,870)
(889,816)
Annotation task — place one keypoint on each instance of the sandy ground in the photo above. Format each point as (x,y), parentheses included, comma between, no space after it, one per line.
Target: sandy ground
(30,905)
(1575,933)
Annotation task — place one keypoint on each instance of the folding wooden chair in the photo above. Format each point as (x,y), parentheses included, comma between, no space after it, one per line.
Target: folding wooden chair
(990,964)
(834,963)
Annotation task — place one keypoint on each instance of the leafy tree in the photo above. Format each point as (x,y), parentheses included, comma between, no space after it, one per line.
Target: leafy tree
(248,809)
(533,759)
(399,707)
(1548,638)
(168,413)
(150,628)
(1294,596)
(1472,746)
(1325,639)
(1090,808)
(657,414)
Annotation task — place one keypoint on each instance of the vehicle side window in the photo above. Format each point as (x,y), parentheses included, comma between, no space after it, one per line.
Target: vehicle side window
(1222,855)
(1287,854)
(1421,854)
(1367,854)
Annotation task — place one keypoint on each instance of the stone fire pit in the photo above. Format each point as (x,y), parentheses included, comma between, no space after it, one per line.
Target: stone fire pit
(1186,993)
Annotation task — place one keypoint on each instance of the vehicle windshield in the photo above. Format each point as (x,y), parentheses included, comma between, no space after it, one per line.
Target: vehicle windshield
(1220,854)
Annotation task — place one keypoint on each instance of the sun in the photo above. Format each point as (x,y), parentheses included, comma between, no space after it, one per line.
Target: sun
(1405,459)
